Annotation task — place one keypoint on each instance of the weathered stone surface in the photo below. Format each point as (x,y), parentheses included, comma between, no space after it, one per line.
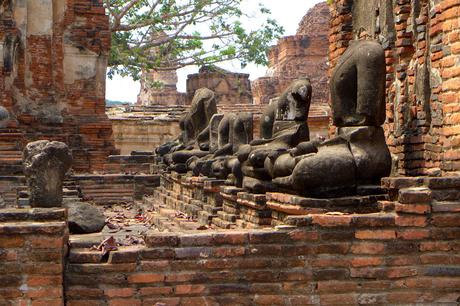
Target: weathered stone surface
(160,88)
(229,88)
(358,155)
(233,131)
(358,86)
(45,166)
(286,119)
(422,87)
(194,140)
(84,218)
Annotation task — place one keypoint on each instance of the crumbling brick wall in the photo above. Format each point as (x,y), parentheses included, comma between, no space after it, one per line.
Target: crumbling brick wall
(53,77)
(406,255)
(421,41)
(298,56)
(32,251)
(230,88)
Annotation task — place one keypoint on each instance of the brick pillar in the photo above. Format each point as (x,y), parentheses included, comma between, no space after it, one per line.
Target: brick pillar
(32,249)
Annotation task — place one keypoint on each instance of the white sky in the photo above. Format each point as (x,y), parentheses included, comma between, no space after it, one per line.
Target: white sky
(288,13)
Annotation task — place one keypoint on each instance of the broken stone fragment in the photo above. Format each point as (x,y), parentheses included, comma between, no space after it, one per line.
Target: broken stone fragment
(45,165)
(4,117)
(84,218)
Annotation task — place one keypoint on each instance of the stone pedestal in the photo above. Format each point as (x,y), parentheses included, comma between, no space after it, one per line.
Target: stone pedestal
(213,201)
(285,205)
(254,211)
(226,218)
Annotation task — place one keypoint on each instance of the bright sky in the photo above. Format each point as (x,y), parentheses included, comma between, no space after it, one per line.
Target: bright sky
(288,13)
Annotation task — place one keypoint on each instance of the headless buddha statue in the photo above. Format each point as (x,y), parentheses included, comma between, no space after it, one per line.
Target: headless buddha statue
(228,133)
(194,139)
(283,126)
(358,155)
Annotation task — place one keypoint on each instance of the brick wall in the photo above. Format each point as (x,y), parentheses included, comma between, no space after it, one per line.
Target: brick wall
(230,88)
(53,76)
(406,254)
(299,56)
(32,252)
(420,40)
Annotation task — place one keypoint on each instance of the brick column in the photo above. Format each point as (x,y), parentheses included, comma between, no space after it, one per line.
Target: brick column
(32,249)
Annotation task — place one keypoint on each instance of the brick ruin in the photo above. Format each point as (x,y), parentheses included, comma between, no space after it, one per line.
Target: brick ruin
(160,88)
(230,88)
(143,128)
(216,244)
(301,55)
(421,39)
(53,78)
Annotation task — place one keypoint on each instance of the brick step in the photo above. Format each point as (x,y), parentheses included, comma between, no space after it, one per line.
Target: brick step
(11,168)
(108,191)
(6,152)
(95,187)
(112,201)
(223,224)
(445,206)
(8,146)
(84,255)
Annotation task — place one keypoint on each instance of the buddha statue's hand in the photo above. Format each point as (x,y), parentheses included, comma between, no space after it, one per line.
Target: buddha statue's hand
(306,147)
(276,153)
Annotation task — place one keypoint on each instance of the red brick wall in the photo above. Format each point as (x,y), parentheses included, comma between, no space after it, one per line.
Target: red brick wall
(406,254)
(37,90)
(299,56)
(423,85)
(230,88)
(32,251)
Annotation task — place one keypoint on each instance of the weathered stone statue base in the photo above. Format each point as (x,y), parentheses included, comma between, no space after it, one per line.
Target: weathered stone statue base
(358,156)
(45,165)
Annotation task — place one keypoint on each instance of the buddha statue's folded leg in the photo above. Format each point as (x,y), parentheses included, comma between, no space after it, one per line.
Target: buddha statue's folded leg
(322,174)
(181,157)
(257,186)
(219,169)
(281,163)
(195,164)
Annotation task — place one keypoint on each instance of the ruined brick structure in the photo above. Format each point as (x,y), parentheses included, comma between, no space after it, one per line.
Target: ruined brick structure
(301,55)
(230,88)
(159,88)
(421,39)
(216,244)
(54,58)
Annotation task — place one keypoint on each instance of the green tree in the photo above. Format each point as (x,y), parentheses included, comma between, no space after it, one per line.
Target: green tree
(170,34)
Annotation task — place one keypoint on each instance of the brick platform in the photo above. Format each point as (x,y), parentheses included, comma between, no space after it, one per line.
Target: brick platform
(404,253)
(32,252)
(403,250)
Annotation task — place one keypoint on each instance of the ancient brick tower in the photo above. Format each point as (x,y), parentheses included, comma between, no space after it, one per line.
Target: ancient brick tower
(54,59)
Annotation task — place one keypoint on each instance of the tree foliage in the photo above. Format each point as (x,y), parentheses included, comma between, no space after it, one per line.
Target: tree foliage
(171,34)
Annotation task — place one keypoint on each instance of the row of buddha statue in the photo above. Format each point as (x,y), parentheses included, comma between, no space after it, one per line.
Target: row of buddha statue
(284,158)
